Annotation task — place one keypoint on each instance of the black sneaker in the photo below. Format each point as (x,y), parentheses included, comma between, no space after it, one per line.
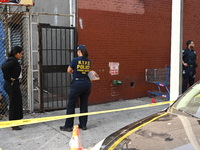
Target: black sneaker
(63,128)
(82,127)
(16,128)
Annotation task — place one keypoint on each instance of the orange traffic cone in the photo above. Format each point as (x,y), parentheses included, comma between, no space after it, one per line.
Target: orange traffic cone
(153,100)
(75,141)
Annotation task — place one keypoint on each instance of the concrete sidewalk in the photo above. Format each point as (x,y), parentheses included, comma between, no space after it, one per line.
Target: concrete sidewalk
(47,136)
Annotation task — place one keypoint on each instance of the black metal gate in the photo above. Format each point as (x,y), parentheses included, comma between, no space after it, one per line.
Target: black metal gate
(56,48)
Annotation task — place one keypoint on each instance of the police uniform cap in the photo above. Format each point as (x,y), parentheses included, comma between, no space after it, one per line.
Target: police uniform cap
(81,47)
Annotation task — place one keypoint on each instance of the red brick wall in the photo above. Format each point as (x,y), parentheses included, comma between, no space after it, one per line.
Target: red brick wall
(191,30)
(134,33)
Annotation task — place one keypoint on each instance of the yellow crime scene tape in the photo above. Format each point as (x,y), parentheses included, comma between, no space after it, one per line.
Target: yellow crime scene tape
(6,124)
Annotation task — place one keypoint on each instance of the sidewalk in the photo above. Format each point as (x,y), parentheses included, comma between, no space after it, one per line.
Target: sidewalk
(47,136)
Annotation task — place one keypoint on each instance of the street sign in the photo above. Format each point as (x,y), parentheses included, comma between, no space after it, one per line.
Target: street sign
(114,68)
(17,2)
(4,1)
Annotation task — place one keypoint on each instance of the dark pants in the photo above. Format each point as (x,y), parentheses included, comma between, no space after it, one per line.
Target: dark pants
(188,77)
(15,100)
(79,89)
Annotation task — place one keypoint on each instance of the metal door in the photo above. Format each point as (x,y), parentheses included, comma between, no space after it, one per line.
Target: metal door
(56,49)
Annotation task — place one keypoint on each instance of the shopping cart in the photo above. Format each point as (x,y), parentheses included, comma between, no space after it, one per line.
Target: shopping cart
(160,77)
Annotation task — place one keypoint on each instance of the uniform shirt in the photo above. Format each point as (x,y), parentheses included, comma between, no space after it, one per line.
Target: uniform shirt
(80,67)
(11,68)
(189,57)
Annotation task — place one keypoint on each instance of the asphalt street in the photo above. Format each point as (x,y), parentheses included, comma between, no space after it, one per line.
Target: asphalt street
(47,136)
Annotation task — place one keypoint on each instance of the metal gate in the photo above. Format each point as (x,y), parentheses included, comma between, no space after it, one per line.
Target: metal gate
(56,49)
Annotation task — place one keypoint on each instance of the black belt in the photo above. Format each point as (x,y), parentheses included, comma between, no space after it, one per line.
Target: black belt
(190,66)
(81,79)
(16,80)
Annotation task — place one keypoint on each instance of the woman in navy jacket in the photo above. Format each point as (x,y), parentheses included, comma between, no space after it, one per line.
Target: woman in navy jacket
(80,88)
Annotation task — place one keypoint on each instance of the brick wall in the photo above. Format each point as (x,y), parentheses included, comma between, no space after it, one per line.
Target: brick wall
(134,33)
(191,28)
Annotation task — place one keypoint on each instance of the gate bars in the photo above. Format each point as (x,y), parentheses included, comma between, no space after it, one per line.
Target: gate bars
(56,49)
(52,48)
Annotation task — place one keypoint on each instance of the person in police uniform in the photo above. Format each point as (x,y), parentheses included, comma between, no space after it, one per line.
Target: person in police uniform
(80,88)
(189,65)
(11,71)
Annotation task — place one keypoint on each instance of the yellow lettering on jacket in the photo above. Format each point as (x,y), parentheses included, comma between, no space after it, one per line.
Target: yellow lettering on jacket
(83,66)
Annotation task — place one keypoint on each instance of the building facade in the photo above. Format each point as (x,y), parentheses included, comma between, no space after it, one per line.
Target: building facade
(124,38)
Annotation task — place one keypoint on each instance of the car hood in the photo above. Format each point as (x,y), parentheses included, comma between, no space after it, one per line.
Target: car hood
(162,130)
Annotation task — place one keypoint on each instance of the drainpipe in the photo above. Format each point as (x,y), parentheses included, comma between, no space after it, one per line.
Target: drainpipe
(72,7)
(72,10)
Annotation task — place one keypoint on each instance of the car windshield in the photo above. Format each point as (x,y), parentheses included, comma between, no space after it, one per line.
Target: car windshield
(189,102)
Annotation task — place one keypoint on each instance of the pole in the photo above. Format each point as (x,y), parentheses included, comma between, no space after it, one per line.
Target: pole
(30,66)
(176,49)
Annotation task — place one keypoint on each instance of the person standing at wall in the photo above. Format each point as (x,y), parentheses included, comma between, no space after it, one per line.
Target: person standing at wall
(80,88)
(11,71)
(189,65)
